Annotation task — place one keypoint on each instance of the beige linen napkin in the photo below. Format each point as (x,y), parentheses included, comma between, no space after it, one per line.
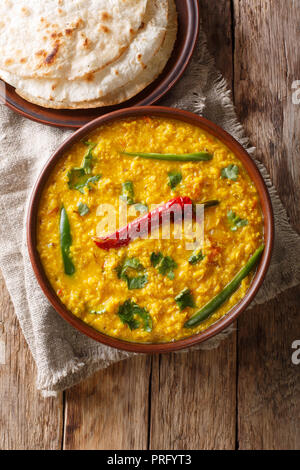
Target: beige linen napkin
(62,355)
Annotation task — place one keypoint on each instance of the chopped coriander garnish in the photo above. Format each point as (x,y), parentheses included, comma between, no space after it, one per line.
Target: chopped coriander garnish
(167,266)
(155,258)
(174,179)
(128,313)
(124,271)
(80,178)
(127,195)
(83,209)
(235,221)
(137,282)
(231,172)
(164,264)
(88,159)
(185,299)
(196,257)
(133,263)
(146,317)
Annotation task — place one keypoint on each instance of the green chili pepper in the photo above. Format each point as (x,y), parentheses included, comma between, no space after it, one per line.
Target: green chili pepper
(128,192)
(66,242)
(188,157)
(196,257)
(206,204)
(226,293)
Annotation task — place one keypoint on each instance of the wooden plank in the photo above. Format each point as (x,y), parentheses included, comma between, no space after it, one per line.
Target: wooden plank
(217,21)
(268,383)
(267,61)
(110,410)
(27,421)
(193,402)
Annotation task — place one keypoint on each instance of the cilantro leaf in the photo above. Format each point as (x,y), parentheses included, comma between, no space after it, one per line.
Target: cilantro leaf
(137,282)
(164,264)
(133,263)
(127,194)
(185,299)
(167,266)
(76,176)
(124,272)
(83,209)
(196,257)
(78,179)
(156,258)
(92,180)
(128,313)
(231,172)
(174,179)
(88,159)
(147,319)
(235,221)
(129,263)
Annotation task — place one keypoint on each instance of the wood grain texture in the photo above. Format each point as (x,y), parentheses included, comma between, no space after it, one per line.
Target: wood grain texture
(217,23)
(193,399)
(110,410)
(268,382)
(27,421)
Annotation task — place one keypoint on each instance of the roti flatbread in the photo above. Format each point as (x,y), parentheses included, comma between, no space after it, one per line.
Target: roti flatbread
(134,87)
(97,85)
(66,38)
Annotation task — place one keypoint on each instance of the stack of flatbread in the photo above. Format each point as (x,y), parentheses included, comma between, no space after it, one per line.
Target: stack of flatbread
(72,54)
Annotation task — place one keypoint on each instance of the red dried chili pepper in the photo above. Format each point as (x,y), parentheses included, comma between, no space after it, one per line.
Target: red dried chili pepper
(143,225)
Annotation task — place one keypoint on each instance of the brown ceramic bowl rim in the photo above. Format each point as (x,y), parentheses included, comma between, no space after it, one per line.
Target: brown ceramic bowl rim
(74,119)
(255,175)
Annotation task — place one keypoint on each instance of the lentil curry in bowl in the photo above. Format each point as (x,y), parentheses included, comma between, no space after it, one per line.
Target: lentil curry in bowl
(138,282)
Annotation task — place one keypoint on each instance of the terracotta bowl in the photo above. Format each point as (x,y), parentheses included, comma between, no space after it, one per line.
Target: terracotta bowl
(248,163)
(188,27)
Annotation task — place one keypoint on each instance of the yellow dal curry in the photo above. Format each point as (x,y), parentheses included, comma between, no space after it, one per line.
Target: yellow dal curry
(95,292)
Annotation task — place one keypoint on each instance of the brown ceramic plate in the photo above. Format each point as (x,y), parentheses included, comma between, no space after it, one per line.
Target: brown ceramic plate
(250,166)
(188,27)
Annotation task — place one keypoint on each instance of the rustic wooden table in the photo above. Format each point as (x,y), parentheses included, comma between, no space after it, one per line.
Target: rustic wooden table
(246,393)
